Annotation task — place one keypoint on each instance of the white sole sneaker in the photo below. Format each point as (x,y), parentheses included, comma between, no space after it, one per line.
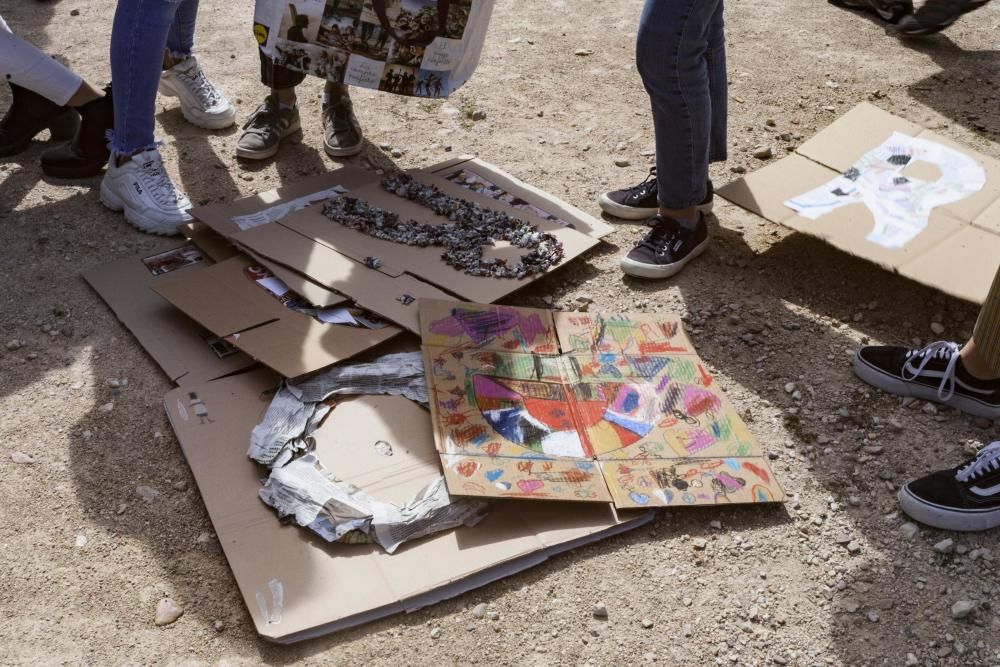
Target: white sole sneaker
(893,385)
(640,270)
(198,118)
(947,518)
(623,212)
(350,151)
(136,219)
(265,153)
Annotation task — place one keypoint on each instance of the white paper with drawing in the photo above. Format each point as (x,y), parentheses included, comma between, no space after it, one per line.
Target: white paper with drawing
(901,205)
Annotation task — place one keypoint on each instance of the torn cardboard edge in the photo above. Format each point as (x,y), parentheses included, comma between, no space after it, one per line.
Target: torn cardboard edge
(186,352)
(965,233)
(298,587)
(226,301)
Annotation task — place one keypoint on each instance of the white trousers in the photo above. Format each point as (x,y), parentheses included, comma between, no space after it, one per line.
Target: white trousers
(23,64)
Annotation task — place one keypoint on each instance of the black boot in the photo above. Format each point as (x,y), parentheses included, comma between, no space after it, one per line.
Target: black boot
(87,154)
(29,114)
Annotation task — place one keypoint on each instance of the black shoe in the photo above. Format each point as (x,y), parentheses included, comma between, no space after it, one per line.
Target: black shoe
(28,115)
(639,202)
(934,373)
(888,10)
(936,15)
(87,154)
(667,248)
(965,498)
(342,136)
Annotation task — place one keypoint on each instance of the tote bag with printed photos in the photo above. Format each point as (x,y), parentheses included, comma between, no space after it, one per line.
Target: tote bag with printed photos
(423,48)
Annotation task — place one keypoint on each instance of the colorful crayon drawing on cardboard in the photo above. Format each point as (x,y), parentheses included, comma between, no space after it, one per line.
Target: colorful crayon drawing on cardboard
(575,406)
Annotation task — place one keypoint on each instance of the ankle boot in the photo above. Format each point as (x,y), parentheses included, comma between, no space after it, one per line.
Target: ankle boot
(87,154)
(28,115)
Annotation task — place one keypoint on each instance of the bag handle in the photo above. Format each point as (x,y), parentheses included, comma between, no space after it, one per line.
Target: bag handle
(420,40)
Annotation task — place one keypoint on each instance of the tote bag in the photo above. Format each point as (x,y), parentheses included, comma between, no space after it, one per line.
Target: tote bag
(423,48)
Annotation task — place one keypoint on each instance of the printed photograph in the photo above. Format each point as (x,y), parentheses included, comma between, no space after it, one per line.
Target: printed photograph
(476,183)
(431,83)
(331,65)
(417,18)
(458,18)
(221,347)
(299,24)
(373,41)
(298,57)
(398,79)
(165,262)
(340,9)
(404,54)
(339,33)
(392,7)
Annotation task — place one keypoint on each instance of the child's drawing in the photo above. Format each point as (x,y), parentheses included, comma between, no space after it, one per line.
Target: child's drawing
(901,205)
(534,404)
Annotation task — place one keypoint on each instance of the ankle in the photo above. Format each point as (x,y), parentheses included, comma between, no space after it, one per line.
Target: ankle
(286,97)
(974,364)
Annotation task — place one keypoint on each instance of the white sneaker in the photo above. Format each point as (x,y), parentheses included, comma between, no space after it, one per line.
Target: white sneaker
(143,190)
(202,103)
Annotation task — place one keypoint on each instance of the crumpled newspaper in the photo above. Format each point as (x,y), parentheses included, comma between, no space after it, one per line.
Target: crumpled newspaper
(334,509)
(297,409)
(300,486)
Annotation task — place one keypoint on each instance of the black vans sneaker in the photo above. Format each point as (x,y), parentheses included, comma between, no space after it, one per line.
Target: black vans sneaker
(965,498)
(936,15)
(640,202)
(934,373)
(888,10)
(666,249)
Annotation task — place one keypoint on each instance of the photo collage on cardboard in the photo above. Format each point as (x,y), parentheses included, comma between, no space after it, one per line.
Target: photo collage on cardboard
(343,41)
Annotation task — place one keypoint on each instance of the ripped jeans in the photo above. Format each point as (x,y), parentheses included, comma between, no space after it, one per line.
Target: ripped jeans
(143,30)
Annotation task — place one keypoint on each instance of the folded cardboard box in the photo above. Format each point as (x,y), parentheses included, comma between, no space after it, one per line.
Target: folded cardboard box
(297,586)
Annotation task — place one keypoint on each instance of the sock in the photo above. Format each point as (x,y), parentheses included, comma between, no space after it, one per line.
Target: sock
(688,222)
(282,106)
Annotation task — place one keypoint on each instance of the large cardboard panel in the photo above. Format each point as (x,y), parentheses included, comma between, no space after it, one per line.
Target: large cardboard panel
(394,298)
(963,234)
(425,263)
(226,301)
(212,244)
(509,188)
(186,352)
(329,587)
(219,215)
(968,278)
(631,414)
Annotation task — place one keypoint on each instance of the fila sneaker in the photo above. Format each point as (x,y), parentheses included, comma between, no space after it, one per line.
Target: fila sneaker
(202,104)
(143,190)
(934,373)
(965,498)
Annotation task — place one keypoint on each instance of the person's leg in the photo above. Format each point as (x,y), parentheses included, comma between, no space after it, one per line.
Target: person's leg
(936,15)
(23,64)
(342,135)
(276,118)
(981,355)
(202,103)
(680,54)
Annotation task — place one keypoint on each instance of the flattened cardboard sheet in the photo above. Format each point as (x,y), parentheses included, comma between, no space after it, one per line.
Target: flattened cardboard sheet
(227,302)
(490,183)
(529,403)
(961,233)
(322,587)
(186,352)
(425,274)
(209,242)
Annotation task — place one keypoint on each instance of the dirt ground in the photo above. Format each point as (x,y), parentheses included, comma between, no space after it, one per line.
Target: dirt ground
(84,559)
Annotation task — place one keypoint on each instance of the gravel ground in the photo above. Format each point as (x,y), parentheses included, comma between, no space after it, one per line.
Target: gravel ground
(835,577)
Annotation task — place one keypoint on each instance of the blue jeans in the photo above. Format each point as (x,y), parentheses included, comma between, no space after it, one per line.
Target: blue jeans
(142,32)
(681,56)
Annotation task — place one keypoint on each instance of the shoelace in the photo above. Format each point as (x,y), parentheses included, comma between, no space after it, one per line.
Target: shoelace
(641,189)
(158,183)
(940,350)
(659,238)
(262,120)
(199,84)
(986,461)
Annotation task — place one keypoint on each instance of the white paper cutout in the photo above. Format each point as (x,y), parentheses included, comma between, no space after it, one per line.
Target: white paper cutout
(901,205)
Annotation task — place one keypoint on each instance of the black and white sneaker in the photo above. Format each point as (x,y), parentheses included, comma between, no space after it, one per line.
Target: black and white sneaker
(965,498)
(934,373)
(666,249)
(933,17)
(888,10)
(640,202)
